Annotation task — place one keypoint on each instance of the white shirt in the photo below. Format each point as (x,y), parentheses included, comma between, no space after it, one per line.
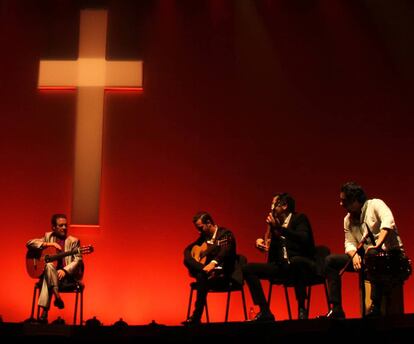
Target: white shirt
(376,215)
(285,223)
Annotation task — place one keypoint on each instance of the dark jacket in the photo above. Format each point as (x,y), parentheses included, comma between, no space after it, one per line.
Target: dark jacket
(298,240)
(224,253)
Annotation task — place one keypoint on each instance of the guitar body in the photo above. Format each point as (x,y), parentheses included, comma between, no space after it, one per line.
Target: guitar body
(198,253)
(35,260)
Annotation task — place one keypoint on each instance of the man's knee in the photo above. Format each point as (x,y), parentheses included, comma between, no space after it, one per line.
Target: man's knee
(50,267)
(201,276)
(330,261)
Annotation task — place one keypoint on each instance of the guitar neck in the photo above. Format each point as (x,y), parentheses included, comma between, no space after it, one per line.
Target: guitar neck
(51,258)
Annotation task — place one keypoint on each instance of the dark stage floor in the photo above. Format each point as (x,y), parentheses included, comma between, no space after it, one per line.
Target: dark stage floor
(396,329)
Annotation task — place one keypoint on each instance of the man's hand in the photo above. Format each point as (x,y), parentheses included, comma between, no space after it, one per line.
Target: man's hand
(209,267)
(271,220)
(262,245)
(356,262)
(61,273)
(274,224)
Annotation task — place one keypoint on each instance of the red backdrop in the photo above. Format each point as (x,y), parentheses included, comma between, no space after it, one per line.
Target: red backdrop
(241,100)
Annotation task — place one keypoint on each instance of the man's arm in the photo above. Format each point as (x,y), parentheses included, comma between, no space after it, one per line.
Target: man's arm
(299,230)
(72,267)
(189,261)
(42,243)
(227,246)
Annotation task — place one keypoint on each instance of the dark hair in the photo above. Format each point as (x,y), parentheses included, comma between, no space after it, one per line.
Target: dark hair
(353,192)
(285,199)
(204,216)
(54,218)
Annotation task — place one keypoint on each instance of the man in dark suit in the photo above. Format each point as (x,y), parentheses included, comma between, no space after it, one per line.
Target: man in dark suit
(290,250)
(210,259)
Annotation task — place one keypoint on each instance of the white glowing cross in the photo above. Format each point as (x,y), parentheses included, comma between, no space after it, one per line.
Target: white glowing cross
(91,74)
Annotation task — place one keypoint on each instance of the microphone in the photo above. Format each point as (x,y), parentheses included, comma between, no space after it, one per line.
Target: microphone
(363,240)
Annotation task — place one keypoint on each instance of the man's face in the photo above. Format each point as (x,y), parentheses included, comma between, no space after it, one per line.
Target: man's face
(61,228)
(277,208)
(202,227)
(349,206)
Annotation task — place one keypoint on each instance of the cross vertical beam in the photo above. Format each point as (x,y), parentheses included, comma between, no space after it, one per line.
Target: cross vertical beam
(91,74)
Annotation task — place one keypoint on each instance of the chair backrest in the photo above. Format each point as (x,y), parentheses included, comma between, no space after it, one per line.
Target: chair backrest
(80,271)
(237,275)
(241,259)
(235,282)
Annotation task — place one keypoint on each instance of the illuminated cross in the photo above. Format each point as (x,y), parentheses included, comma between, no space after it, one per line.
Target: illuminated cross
(91,74)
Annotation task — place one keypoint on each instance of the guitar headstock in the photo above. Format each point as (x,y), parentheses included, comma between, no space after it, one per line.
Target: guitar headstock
(86,249)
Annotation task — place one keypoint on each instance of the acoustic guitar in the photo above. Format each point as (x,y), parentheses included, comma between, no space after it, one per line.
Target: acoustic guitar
(200,252)
(36,259)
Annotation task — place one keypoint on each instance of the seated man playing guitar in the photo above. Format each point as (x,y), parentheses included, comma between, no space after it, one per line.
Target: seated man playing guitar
(69,267)
(214,251)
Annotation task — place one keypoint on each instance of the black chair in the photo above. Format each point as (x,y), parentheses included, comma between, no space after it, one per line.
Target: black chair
(222,286)
(76,287)
(321,252)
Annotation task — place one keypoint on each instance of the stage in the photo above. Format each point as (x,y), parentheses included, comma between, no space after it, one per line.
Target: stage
(396,329)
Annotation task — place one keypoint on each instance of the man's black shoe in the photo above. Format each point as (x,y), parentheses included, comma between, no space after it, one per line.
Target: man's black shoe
(264,317)
(59,303)
(302,314)
(43,317)
(374,312)
(333,314)
(191,321)
(42,320)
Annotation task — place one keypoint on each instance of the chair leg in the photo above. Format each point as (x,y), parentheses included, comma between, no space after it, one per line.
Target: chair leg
(327,295)
(33,302)
(269,295)
(244,304)
(81,308)
(76,307)
(288,302)
(189,302)
(206,307)
(38,307)
(227,306)
(308,299)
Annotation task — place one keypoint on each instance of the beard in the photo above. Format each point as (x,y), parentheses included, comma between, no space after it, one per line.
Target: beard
(59,234)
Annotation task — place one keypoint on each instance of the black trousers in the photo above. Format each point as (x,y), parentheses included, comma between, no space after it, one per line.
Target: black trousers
(334,264)
(299,270)
(204,283)
(202,290)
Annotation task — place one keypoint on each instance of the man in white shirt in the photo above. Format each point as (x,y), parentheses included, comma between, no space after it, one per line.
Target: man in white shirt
(66,270)
(369,228)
